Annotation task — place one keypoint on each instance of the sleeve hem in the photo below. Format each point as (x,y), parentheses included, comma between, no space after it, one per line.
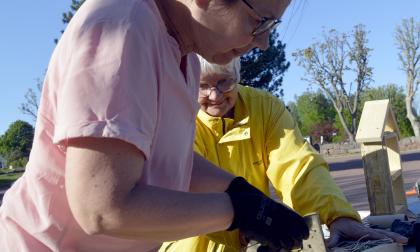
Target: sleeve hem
(104,129)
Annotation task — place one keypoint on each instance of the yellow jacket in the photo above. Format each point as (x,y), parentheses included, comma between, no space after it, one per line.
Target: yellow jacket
(263,144)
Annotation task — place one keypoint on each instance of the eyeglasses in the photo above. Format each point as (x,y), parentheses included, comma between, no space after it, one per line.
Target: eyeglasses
(222,86)
(266,23)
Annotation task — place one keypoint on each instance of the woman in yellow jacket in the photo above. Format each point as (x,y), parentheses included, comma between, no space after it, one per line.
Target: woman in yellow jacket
(250,133)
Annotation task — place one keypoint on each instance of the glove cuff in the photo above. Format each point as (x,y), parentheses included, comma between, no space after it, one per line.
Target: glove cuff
(236,188)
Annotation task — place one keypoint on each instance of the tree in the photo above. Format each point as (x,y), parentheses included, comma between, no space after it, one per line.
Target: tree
(313,110)
(292,108)
(326,63)
(67,16)
(31,104)
(327,130)
(265,69)
(408,41)
(16,143)
(396,97)
(75,5)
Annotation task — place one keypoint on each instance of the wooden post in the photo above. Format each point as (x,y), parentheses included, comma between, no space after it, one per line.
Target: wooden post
(378,135)
(378,179)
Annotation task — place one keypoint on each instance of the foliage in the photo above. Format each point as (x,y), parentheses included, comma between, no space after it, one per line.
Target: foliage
(407,37)
(75,5)
(313,109)
(328,62)
(292,108)
(67,16)
(341,136)
(265,69)
(16,143)
(315,114)
(324,129)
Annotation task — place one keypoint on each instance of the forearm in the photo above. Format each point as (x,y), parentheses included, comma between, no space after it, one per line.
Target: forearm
(106,197)
(207,177)
(158,214)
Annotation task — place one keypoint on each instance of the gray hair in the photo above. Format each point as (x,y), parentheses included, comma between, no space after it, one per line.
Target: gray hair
(232,68)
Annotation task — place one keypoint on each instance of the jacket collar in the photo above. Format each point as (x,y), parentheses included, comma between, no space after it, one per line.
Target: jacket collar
(235,129)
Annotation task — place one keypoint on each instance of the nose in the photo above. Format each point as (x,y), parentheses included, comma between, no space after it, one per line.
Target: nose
(214,94)
(262,41)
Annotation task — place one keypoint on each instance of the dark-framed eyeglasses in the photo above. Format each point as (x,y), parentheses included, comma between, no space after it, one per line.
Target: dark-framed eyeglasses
(266,23)
(222,86)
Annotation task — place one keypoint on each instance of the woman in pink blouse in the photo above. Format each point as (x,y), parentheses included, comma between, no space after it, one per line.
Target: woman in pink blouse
(112,166)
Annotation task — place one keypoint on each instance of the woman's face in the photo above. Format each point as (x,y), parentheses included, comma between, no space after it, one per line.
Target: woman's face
(227,28)
(216,103)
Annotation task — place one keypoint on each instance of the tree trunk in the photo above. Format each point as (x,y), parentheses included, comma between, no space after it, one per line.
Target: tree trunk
(353,124)
(343,122)
(415,124)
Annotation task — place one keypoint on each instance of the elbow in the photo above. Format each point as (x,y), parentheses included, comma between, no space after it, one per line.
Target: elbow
(91,224)
(94,221)
(96,218)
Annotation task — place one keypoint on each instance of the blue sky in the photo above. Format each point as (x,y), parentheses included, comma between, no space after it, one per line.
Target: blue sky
(28,29)
(304,22)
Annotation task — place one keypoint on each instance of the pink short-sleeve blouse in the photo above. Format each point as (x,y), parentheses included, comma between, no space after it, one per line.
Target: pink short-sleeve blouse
(114,73)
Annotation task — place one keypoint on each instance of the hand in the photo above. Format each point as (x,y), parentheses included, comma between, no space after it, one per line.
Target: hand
(264,220)
(349,229)
(243,240)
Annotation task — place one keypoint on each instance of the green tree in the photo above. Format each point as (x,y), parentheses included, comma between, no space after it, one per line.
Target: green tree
(328,62)
(396,97)
(292,107)
(313,109)
(16,143)
(75,5)
(67,16)
(265,69)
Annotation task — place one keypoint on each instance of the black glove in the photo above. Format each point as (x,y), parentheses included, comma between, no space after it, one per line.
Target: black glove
(264,220)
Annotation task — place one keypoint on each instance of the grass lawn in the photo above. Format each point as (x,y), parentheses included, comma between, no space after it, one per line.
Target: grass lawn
(7,178)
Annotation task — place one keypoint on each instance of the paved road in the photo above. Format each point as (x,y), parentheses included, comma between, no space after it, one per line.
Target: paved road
(348,174)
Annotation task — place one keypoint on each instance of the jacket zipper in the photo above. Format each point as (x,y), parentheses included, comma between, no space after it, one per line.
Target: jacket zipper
(223,126)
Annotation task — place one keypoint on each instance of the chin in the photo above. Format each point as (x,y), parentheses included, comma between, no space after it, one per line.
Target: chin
(215,113)
(222,59)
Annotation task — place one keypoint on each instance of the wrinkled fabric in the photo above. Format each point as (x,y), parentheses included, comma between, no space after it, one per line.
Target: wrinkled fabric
(263,144)
(114,73)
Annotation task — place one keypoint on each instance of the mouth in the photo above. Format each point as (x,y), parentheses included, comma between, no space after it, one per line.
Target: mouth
(215,104)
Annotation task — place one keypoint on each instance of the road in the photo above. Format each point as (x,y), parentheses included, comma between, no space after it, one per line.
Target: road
(348,174)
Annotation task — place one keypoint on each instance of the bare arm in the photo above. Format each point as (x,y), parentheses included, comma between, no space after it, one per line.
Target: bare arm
(104,195)
(207,177)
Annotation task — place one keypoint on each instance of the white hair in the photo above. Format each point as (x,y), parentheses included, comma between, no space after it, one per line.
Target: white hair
(232,68)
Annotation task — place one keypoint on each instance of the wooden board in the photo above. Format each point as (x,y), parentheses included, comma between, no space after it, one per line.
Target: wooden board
(378,179)
(377,118)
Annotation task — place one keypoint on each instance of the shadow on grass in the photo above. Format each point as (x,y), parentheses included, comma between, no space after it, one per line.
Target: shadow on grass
(6,179)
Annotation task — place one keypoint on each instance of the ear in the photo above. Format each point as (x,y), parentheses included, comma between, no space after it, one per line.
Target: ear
(203,4)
